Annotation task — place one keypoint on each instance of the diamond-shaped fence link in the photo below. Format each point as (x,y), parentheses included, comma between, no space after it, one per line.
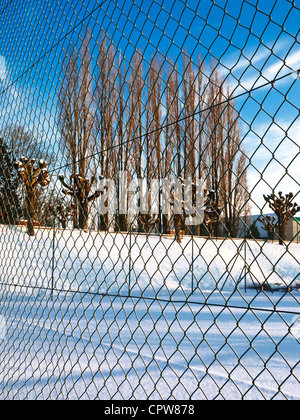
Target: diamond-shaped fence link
(149,178)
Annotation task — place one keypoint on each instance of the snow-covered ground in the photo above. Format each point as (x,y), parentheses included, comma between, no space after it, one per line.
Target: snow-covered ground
(144,317)
(143,264)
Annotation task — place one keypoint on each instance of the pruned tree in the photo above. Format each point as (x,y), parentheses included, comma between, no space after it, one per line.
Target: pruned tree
(20,140)
(32,176)
(187,208)
(64,213)
(59,209)
(284,209)
(212,211)
(269,224)
(80,189)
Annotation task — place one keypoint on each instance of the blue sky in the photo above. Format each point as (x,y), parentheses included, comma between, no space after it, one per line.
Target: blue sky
(252,42)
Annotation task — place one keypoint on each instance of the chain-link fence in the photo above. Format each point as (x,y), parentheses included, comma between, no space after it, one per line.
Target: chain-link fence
(149,181)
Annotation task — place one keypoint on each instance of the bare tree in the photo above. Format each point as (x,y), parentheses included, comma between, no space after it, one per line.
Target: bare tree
(64,212)
(109,124)
(117,109)
(235,199)
(269,225)
(77,113)
(136,106)
(153,131)
(226,158)
(24,142)
(121,160)
(174,144)
(168,167)
(215,137)
(32,176)
(284,209)
(80,189)
(189,125)
(201,105)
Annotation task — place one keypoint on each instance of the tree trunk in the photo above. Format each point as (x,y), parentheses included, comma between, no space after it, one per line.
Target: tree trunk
(282,230)
(103,223)
(83,215)
(121,223)
(178,226)
(30,213)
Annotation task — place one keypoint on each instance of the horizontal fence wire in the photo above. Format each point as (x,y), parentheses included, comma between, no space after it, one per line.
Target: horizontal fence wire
(149,225)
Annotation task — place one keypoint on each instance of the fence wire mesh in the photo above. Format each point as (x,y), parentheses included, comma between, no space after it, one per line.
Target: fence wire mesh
(148,183)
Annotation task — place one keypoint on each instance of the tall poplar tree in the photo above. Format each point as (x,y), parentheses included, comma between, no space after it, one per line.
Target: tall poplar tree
(77,115)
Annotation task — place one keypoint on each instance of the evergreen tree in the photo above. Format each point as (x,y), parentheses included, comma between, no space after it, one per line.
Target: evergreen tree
(253,232)
(9,183)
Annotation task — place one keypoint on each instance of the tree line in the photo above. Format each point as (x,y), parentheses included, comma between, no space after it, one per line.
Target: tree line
(156,119)
(152,119)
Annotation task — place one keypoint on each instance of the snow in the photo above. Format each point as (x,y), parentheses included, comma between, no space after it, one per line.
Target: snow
(144,317)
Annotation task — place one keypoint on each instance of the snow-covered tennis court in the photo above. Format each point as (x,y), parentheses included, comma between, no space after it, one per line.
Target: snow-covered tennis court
(162,321)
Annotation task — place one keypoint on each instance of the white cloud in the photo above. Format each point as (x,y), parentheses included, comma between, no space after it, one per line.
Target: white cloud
(3,69)
(254,67)
(275,160)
